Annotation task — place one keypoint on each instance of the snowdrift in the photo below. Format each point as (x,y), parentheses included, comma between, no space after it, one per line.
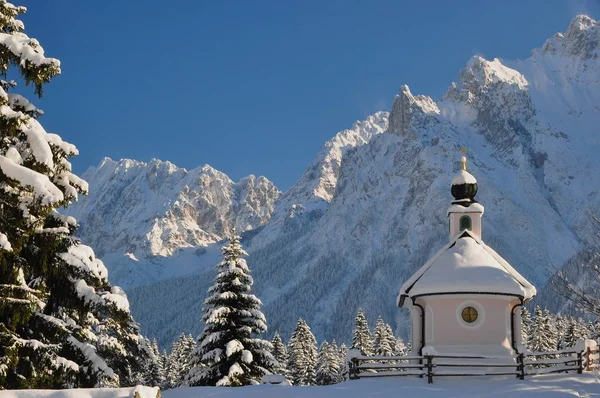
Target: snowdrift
(547,386)
(132,392)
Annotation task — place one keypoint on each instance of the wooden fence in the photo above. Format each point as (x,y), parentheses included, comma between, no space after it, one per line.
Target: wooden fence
(430,366)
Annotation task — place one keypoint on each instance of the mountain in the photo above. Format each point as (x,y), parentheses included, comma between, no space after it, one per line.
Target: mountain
(371,207)
(143,216)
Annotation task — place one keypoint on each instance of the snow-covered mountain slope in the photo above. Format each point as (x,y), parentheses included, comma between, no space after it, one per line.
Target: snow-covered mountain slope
(371,208)
(155,220)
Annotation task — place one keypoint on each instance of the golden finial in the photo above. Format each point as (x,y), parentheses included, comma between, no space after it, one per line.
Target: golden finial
(463,159)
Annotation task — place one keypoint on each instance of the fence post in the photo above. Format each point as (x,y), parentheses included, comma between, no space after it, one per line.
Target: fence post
(580,362)
(521,366)
(353,369)
(429,369)
(588,359)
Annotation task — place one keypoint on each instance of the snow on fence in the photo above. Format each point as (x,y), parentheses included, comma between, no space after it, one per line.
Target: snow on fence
(584,356)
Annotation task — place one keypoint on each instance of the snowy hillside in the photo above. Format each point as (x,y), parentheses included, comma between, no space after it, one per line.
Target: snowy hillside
(372,206)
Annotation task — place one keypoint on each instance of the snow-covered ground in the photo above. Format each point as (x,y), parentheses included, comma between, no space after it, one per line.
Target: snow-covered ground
(548,386)
(142,392)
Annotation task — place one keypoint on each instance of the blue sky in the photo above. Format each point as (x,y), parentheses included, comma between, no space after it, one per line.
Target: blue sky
(257,87)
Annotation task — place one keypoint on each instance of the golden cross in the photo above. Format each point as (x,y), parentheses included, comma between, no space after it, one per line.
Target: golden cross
(463,160)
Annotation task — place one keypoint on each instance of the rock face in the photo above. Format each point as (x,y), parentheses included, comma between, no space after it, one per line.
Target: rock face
(371,208)
(149,212)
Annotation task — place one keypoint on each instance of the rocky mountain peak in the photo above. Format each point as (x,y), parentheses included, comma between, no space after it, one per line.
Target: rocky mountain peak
(409,113)
(155,208)
(582,39)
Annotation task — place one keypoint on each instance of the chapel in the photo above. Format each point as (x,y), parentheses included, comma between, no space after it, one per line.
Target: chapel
(466,299)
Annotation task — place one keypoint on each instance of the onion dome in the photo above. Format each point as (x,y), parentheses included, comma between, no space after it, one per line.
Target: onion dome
(464,185)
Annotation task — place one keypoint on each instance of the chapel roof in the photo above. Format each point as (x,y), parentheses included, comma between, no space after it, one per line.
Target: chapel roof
(466,265)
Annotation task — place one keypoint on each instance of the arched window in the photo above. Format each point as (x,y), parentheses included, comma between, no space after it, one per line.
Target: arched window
(465,223)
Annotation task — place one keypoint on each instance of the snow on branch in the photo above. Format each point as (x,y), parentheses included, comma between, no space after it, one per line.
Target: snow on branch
(39,183)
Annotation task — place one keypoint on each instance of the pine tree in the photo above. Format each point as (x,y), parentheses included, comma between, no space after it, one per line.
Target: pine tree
(342,354)
(383,339)
(228,352)
(561,325)
(280,354)
(361,335)
(543,336)
(155,373)
(576,330)
(550,330)
(400,347)
(178,362)
(328,371)
(302,355)
(61,323)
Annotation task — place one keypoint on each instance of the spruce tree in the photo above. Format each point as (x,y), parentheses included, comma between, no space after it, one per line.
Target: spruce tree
(543,335)
(178,363)
(576,330)
(155,373)
(400,348)
(383,339)
(302,355)
(361,335)
(280,354)
(61,323)
(328,370)
(228,352)
(550,330)
(342,354)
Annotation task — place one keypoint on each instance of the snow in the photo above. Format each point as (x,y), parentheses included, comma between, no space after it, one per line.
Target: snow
(82,256)
(467,265)
(232,347)
(247,357)
(131,256)
(472,208)
(130,392)
(490,72)
(89,351)
(41,185)
(275,379)
(546,386)
(463,177)
(4,243)
(21,45)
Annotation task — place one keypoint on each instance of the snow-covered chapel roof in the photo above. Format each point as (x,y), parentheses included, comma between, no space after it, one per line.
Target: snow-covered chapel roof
(466,265)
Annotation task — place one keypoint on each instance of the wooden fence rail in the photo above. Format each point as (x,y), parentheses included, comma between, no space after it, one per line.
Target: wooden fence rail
(430,366)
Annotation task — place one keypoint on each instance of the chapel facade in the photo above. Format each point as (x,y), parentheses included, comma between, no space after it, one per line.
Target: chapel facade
(466,298)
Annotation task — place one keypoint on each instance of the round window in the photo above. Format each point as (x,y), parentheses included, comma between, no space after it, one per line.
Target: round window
(469,314)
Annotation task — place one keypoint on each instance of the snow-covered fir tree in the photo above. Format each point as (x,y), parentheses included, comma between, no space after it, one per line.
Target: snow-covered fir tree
(561,324)
(361,335)
(328,366)
(155,372)
(302,355)
(342,353)
(576,330)
(400,347)
(61,323)
(543,335)
(178,362)
(280,354)
(229,353)
(384,341)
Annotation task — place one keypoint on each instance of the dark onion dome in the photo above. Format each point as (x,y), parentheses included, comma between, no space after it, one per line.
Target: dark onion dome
(464,185)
